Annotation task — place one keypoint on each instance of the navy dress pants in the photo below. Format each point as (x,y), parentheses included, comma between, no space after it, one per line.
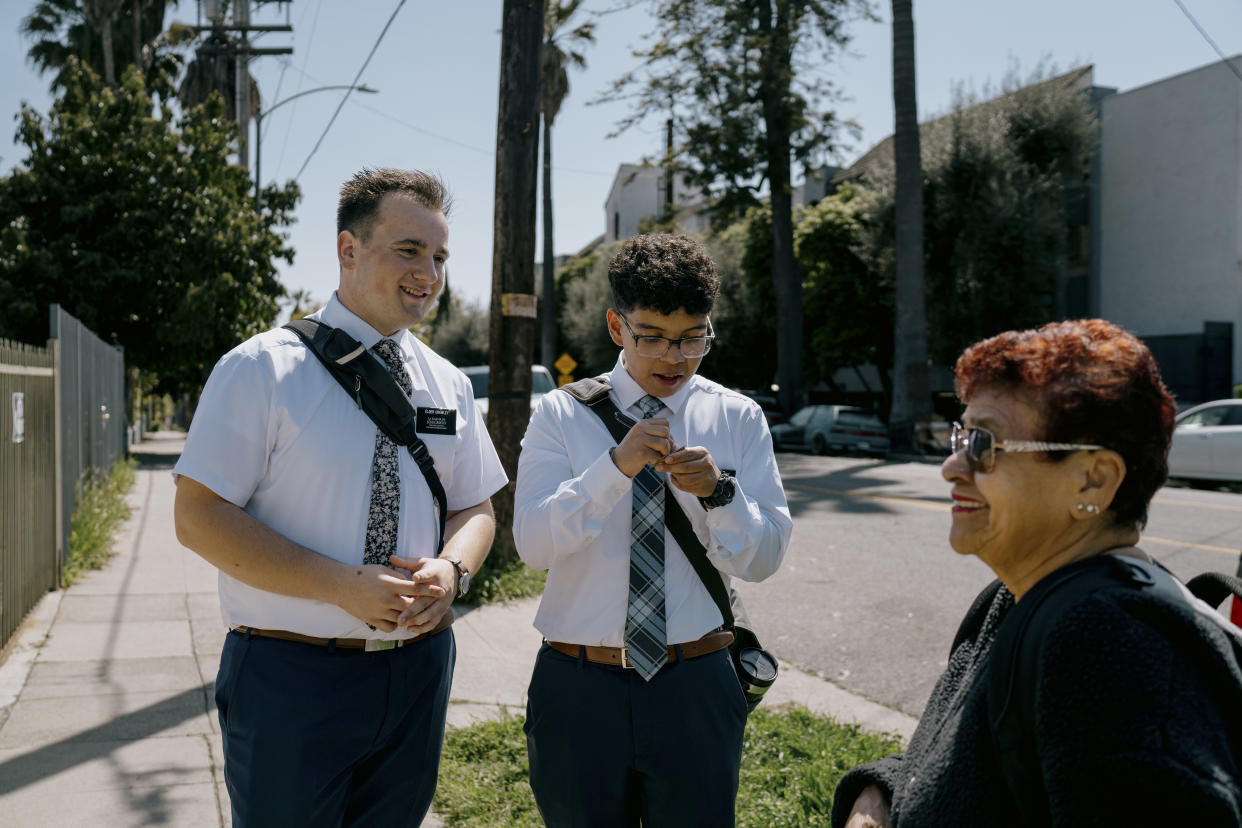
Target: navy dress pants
(314,737)
(609,749)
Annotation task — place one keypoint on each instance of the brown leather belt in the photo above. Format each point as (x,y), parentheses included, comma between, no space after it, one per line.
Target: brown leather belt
(618,656)
(363,644)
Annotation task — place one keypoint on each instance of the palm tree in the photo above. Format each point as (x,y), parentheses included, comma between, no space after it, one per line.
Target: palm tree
(61,29)
(99,14)
(557,53)
(911,393)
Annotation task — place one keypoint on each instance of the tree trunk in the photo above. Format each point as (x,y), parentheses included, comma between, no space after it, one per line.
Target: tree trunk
(911,391)
(777,73)
(137,35)
(109,62)
(547,304)
(511,335)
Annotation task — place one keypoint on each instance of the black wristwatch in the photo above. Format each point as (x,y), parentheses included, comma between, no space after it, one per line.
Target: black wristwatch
(723,493)
(463,577)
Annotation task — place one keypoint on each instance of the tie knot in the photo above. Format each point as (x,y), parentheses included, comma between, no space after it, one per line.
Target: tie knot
(649,405)
(390,353)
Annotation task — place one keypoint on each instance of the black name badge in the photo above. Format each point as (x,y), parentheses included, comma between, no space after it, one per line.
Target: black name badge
(436,421)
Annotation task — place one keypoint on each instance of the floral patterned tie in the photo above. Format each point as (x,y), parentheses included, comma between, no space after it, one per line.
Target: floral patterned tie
(381,540)
(646,638)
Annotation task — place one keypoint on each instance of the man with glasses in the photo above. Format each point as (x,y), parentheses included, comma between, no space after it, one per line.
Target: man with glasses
(634,709)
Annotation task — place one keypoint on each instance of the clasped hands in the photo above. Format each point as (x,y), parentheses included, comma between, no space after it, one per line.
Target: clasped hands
(650,442)
(415,593)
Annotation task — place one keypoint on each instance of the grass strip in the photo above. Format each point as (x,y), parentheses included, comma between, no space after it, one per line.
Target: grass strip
(791,762)
(100,511)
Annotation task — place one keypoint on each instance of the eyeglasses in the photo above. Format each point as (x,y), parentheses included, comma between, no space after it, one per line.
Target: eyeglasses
(981,446)
(654,347)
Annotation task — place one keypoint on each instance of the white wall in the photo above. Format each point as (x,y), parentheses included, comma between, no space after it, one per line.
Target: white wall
(638,192)
(1171,205)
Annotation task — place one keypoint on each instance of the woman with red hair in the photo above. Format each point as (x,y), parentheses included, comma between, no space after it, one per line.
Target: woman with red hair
(1125,703)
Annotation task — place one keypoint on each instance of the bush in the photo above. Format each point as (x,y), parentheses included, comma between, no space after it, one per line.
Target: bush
(504,580)
(101,509)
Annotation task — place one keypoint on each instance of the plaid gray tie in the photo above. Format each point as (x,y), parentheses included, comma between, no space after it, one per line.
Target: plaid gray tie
(645,632)
(382,517)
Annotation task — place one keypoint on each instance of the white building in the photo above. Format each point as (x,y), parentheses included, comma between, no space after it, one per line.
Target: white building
(1170,224)
(638,192)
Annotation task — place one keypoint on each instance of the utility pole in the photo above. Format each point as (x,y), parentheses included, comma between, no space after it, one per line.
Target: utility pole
(229,43)
(241,76)
(511,334)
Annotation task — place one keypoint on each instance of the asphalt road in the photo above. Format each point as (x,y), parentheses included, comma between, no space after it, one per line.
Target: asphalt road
(870,593)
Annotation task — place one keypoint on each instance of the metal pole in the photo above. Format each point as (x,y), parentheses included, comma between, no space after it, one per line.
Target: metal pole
(258,147)
(241,16)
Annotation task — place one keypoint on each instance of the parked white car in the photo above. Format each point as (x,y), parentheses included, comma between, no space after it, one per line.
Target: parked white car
(541,382)
(1207,443)
(825,428)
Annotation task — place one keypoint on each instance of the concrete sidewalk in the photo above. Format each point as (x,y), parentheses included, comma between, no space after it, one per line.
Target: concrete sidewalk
(106,703)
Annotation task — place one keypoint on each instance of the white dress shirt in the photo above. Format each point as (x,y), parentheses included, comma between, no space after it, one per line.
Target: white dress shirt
(572,510)
(275,434)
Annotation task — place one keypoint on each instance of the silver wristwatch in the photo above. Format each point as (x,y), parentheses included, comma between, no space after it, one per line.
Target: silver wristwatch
(463,577)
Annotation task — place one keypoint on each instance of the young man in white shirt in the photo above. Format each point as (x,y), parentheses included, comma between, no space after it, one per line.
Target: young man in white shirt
(635,711)
(334,679)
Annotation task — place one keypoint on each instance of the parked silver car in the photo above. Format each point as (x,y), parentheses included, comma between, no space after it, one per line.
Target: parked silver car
(1207,443)
(541,382)
(825,428)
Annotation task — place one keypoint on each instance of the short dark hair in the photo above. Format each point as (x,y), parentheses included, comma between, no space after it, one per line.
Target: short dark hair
(663,273)
(361,196)
(1097,384)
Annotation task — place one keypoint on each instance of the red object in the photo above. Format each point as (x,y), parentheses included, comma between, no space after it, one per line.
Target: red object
(1235,615)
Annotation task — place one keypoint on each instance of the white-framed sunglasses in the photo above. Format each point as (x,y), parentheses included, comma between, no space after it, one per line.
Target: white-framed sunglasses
(981,445)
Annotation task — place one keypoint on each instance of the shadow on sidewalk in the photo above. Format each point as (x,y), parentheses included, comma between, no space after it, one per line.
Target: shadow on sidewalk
(153,461)
(99,742)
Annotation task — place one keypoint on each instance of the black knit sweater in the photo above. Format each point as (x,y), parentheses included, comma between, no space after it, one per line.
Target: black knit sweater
(1138,719)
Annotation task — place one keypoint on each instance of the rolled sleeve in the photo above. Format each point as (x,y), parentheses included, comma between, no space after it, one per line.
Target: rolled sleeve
(232,433)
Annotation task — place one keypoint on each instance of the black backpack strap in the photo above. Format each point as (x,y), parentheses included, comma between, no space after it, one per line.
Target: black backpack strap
(1013,666)
(1214,587)
(1013,670)
(593,392)
(377,393)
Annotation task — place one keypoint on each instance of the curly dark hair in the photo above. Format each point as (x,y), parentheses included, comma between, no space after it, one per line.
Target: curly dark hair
(1096,383)
(361,195)
(663,273)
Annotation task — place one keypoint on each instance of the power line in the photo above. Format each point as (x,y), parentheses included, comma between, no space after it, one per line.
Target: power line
(456,143)
(310,43)
(422,131)
(1208,38)
(349,91)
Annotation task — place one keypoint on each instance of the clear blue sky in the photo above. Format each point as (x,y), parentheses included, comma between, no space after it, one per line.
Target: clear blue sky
(437,70)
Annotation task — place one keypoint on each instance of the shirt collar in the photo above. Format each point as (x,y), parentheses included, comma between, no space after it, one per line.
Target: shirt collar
(627,390)
(338,316)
